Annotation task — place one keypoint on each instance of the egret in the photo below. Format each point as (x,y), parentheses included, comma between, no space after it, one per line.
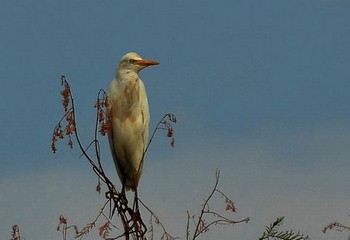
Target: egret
(129,117)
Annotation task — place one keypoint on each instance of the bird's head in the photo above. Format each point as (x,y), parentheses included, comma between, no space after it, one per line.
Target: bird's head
(133,62)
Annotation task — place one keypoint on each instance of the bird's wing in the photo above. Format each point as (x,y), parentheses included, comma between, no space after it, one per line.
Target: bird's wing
(145,121)
(116,160)
(145,114)
(111,137)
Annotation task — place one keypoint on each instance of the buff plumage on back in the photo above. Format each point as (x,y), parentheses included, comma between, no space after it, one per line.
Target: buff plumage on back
(129,116)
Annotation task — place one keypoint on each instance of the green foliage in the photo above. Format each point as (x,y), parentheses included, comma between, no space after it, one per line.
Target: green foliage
(272,232)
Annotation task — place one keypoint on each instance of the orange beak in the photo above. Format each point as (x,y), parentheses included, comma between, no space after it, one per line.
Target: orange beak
(145,62)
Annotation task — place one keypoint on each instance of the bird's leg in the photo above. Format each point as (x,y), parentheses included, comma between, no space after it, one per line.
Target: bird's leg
(140,227)
(123,191)
(136,206)
(124,199)
(136,203)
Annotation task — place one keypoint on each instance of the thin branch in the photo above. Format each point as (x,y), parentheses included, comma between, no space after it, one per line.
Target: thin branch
(202,225)
(188,226)
(157,221)
(336,226)
(200,219)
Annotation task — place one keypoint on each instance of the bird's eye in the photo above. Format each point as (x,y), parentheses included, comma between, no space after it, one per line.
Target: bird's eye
(132,61)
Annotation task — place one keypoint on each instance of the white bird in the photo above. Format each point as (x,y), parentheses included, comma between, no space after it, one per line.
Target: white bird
(129,116)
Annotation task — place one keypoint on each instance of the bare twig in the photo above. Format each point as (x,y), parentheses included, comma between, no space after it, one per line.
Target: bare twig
(199,229)
(188,226)
(165,234)
(336,226)
(202,224)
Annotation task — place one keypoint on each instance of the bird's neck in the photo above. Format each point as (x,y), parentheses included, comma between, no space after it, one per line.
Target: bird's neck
(129,84)
(126,75)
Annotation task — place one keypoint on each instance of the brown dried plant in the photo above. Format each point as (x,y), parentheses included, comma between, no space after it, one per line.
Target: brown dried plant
(208,217)
(340,227)
(15,233)
(154,219)
(133,225)
(131,221)
(69,128)
(105,227)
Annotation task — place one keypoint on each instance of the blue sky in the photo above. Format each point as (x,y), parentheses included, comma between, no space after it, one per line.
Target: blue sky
(260,89)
